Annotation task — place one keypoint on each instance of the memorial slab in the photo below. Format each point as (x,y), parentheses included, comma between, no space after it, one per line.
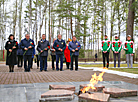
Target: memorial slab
(95,97)
(118,92)
(62,87)
(57,95)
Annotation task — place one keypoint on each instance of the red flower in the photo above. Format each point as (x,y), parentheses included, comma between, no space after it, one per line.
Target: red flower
(102,45)
(57,45)
(32,43)
(16,43)
(78,46)
(49,47)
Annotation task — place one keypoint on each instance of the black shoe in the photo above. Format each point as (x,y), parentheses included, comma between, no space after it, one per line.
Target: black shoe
(53,68)
(45,70)
(40,70)
(76,69)
(61,70)
(57,69)
(71,69)
(67,68)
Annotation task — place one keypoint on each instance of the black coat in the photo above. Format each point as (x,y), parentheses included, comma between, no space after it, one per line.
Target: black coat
(42,45)
(11,59)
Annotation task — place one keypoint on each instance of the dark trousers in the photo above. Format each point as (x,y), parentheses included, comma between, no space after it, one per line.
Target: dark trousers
(57,61)
(76,62)
(32,62)
(20,60)
(37,58)
(11,68)
(106,55)
(67,64)
(29,59)
(118,55)
(43,62)
(53,59)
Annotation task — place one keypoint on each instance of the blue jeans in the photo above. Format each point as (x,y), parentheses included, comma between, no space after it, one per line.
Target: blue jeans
(29,59)
(43,59)
(57,61)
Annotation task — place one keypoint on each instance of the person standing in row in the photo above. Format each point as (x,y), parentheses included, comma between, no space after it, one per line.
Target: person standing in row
(67,55)
(27,45)
(116,48)
(11,47)
(106,45)
(43,47)
(20,56)
(59,46)
(53,54)
(74,47)
(129,50)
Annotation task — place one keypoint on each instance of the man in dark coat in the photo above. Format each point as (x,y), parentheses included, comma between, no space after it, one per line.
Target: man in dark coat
(59,46)
(27,45)
(43,47)
(74,47)
(20,56)
(11,47)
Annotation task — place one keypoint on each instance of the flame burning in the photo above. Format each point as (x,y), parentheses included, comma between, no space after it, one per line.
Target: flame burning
(94,80)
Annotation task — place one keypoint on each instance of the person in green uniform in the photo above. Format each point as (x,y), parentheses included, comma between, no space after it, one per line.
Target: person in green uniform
(106,45)
(116,48)
(130,50)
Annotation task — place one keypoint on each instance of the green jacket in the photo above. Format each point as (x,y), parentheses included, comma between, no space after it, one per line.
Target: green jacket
(106,45)
(129,47)
(116,45)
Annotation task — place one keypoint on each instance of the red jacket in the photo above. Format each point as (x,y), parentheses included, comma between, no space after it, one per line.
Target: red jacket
(67,54)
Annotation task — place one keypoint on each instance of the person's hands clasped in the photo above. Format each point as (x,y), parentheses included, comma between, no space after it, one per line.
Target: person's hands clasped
(73,50)
(25,49)
(10,50)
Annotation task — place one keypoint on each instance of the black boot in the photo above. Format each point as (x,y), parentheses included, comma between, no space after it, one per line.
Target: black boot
(9,68)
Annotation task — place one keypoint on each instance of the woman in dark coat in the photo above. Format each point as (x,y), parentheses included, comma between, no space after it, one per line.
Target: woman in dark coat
(11,47)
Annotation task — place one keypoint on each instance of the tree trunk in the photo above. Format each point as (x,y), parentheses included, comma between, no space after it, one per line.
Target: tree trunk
(20,22)
(30,18)
(14,19)
(130,20)
(36,22)
(44,11)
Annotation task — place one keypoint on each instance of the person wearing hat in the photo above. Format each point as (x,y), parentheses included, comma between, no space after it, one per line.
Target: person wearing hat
(116,48)
(106,45)
(67,54)
(129,50)
(11,46)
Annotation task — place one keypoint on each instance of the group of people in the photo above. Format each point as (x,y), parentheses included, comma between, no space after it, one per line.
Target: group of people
(116,46)
(26,50)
